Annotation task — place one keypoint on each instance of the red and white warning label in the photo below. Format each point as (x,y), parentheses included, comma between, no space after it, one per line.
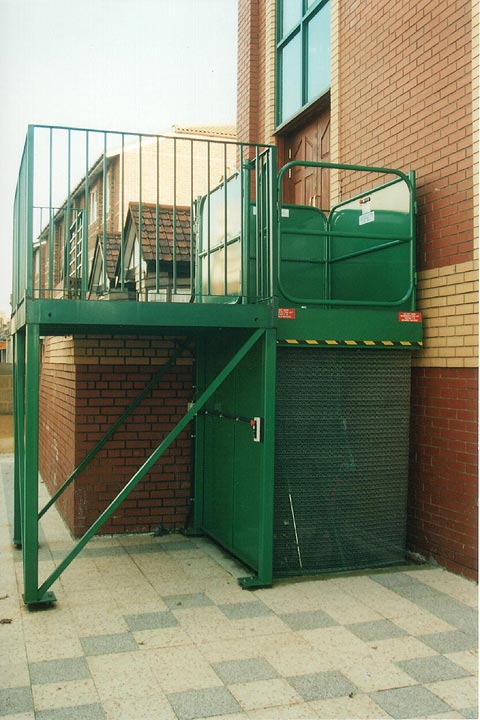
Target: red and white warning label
(410,317)
(287,313)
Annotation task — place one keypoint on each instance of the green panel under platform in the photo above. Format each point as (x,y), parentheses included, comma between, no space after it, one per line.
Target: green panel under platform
(385,328)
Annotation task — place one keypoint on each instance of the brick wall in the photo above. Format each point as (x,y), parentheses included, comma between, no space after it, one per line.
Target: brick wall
(86,383)
(256,71)
(57,426)
(405,94)
(405,100)
(443,512)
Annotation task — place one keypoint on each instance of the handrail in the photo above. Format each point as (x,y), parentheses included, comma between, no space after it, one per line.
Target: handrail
(102,173)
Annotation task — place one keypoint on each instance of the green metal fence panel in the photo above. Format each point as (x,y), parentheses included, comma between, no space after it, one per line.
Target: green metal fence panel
(364,257)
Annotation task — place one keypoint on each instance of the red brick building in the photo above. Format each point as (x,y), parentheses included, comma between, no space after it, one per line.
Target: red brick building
(392,85)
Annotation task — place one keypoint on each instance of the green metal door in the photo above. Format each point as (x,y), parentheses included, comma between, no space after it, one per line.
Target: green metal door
(234,480)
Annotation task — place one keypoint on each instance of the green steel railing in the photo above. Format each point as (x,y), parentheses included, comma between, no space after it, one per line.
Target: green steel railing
(102,213)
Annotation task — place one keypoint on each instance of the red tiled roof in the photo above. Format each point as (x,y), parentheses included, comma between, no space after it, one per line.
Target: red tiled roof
(113,242)
(165,230)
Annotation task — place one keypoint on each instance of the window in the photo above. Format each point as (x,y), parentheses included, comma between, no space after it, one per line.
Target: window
(303,54)
(92,207)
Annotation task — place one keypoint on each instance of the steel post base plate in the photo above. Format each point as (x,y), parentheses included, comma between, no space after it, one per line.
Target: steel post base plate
(47,599)
(252,582)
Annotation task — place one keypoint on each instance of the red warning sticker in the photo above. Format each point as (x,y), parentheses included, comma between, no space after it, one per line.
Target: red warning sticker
(409,317)
(287,313)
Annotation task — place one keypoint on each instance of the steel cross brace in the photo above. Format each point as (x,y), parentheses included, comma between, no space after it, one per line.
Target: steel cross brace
(42,595)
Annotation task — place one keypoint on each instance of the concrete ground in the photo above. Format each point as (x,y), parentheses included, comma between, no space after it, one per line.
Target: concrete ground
(158,628)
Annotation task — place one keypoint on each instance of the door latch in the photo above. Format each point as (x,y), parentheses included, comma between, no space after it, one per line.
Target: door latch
(256,424)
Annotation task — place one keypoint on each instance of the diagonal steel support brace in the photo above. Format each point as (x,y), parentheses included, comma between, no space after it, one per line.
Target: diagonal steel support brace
(154,457)
(91,454)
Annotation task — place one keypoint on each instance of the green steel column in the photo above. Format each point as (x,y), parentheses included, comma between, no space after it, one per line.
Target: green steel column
(18,432)
(30,493)
(199,467)
(265,535)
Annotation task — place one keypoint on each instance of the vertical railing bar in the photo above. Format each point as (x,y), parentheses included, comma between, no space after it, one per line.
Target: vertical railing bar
(257,241)
(208,220)
(157,223)
(29,210)
(174,215)
(140,219)
(122,218)
(50,217)
(104,214)
(192,220)
(86,216)
(15,249)
(261,194)
(66,253)
(272,242)
(243,239)
(225,220)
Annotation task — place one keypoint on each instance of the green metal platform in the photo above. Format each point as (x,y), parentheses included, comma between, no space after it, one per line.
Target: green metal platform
(263,291)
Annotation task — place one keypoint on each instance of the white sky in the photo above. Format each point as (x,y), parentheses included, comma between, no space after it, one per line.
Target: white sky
(131,65)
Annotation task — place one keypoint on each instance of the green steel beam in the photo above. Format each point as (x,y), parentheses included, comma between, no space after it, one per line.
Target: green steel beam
(19,433)
(130,409)
(150,462)
(32,595)
(69,316)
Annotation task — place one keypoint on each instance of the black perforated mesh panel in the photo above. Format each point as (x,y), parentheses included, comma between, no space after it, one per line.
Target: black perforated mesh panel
(341,459)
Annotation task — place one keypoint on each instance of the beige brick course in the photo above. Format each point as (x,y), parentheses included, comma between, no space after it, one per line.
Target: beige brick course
(448,300)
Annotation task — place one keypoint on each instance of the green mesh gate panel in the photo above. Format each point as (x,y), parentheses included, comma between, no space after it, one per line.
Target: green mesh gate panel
(341,459)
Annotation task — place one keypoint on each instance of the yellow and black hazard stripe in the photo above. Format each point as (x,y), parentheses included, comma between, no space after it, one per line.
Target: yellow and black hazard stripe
(352,343)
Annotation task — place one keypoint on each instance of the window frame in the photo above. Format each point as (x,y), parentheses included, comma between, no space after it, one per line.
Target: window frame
(299,28)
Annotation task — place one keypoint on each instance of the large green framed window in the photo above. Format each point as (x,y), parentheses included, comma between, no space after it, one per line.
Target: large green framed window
(303,54)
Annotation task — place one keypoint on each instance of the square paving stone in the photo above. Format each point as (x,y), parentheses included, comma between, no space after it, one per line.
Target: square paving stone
(471,712)
(321,686)
(240,611)
(52,671)
(179,546)
(150,621)
(209,702)
(15,700)
(377,630)
(107,644)
(408,587)
(447,642)
(410,702)
(242,671)
(310,620)
(451,611)
(185,602)
(432,669)
(76,712)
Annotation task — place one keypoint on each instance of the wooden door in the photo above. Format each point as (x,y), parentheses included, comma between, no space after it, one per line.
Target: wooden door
(307,185)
